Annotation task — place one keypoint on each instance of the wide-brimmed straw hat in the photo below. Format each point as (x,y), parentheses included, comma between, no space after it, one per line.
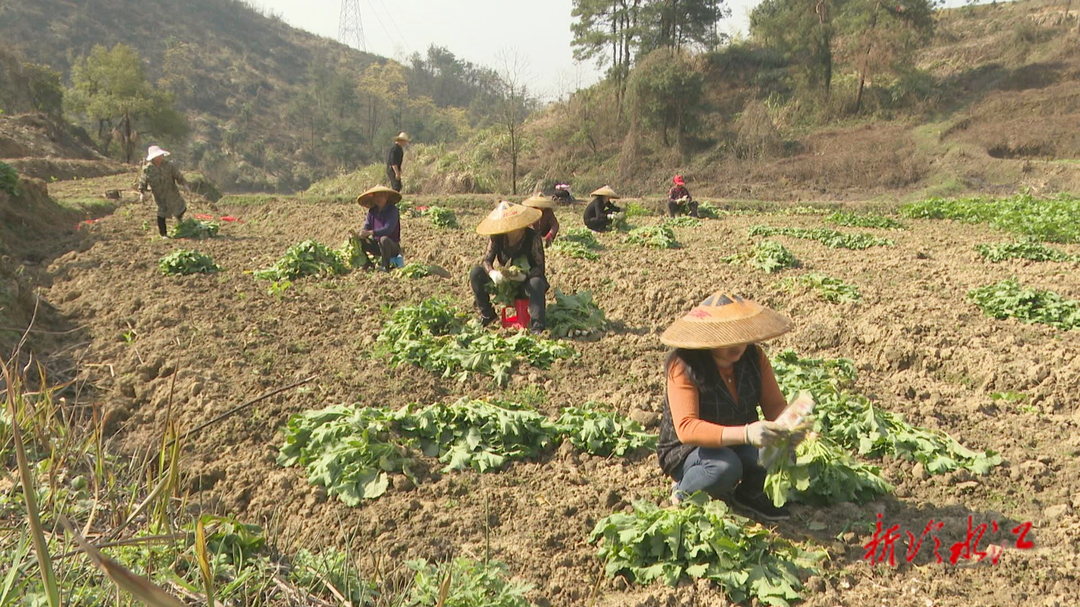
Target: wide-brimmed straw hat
(538,201)
(605,191)
(403,136)
(369,197)
(154,151)
(725,320)
(507,217)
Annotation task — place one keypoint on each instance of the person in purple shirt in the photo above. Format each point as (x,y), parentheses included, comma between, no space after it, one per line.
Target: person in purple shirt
(381,236)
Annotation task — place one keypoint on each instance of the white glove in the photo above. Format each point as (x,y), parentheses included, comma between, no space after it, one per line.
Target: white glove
(142,196)
(761,433)
(496,277)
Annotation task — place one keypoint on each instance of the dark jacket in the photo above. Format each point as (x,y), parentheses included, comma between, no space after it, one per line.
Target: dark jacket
(715,403)
(530,247)
(596,214)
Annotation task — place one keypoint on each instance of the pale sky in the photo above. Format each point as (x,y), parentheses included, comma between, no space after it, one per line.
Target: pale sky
(475,30)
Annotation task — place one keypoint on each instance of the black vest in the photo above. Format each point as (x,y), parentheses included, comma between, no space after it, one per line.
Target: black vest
(715,405)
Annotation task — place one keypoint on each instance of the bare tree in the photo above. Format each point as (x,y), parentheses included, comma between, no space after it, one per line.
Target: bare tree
(512,68)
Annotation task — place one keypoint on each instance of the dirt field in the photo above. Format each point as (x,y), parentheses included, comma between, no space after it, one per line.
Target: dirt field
(921,349)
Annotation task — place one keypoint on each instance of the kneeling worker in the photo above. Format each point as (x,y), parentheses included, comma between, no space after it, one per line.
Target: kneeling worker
(381,236)
(511,239)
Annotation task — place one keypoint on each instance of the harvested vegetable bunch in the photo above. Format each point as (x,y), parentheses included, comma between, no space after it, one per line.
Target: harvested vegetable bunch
(414,269)
(575,315)
(771,256)
(655,237)
(183,262)
(195,229)
(435,336)
(830,238)
(597,430)
(703,539)
(352,253)
(1007,299)
(579,243)
(853,422)
(513,275)
(823,473)
(308,258)
(440,217)
(476,434)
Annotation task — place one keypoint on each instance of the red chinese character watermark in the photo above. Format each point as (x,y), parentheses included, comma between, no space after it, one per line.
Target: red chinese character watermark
(882,545)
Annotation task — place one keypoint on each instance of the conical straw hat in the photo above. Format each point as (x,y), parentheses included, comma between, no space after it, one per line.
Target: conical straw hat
(538,201)
(725,320)
(369,197)
(606,191)
(507,217)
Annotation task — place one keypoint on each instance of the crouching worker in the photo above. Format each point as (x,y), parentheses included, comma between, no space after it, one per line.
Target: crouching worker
(548,225)
(679,199)
(162,177)
(511,240)
(717,380)
(381,235)
(599,213)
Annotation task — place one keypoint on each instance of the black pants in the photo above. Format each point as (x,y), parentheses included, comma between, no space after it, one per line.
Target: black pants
(676,208)
(161,224)
(598,224)
(395,183)
(384,248)
(534,288)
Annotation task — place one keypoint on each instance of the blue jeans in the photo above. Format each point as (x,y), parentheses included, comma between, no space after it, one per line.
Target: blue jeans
(717,470)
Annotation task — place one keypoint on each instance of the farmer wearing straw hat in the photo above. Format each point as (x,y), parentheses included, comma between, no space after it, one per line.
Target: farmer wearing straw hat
(601,211)
(511,239)
(548,225)
(717,380)
(381,235)
(394,158)
(678,196)
(162,178)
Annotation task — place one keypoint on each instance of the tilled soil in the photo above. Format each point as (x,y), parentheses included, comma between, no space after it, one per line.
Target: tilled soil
(921,349)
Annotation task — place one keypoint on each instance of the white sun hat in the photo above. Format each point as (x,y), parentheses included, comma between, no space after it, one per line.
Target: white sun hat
(155,151)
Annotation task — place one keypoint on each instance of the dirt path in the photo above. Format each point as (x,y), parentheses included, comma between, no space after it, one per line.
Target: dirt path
(921,349)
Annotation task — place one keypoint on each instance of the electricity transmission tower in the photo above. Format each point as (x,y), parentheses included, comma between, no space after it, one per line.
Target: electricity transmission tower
(351,26)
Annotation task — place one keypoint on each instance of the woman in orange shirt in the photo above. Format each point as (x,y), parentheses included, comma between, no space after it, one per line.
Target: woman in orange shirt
(717,379)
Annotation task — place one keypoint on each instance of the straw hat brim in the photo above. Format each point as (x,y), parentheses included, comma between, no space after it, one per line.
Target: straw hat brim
(606,191)
(393,196)
(700,334)
(538,202)
(403,137)
(493,227)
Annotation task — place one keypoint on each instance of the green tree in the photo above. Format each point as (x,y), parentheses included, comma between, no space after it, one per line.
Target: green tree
(680,23)
(666,87)
(601,27)
(803,31)
(110,89)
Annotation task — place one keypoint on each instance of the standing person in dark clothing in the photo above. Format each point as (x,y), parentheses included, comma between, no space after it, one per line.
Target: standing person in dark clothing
(598,214)
(394,158)
(162,179)
(548,225)
(678,196)
(717,380)
(511,239)
(381,236)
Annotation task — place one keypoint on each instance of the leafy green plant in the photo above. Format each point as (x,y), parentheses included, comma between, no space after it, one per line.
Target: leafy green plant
(465,583)
(414,269)
(804,210)
(708,210)
(1029,249)
(513,276)
(352,253)
(654,237)
(703,539)
(308,258)
(823,473)
(476,434)
(195,230)
(682,221)
(579,243)
(9,179)
(864,220)
(183,262)
(771,257)
(597,430)
(435,336)
(1007,299)
(832,290)
(853,422)
(633,209)
(575,315)
(829,238)
(1052,219)
(440,217)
